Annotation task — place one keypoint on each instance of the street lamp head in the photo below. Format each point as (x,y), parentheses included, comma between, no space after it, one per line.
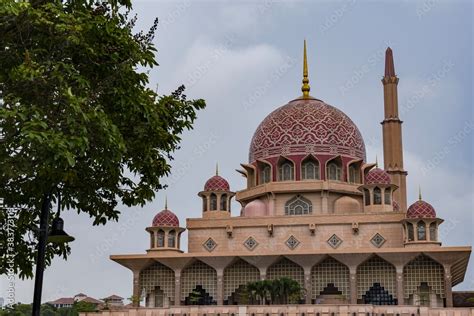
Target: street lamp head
(57,234)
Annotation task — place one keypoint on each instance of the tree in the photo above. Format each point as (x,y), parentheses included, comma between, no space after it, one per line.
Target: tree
(279,291)
(77,117)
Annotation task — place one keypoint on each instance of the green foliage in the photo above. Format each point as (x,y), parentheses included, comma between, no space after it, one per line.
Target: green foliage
(49,310)
(77,116)
(279,291)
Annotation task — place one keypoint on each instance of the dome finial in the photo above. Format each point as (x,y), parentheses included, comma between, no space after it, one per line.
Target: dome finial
(166,202)
(419,192)
(376,162)
(217,168)
(305,88)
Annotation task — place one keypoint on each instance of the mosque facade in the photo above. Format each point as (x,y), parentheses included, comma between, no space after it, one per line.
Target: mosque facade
(313,210)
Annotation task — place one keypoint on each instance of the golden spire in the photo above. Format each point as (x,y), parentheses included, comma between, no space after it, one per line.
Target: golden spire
(305,87)
(376,162)
(217,168)
(419,192)
(166,202)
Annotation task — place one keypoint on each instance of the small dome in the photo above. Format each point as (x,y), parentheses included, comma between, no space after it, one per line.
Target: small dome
(377,176)
(255,208)
(165,218)
(216,183)
(421,209)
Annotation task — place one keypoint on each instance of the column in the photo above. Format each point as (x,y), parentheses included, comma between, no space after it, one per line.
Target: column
(263,273)
(400,286)
(177,287)
(307,285)
(448,286)
(220,287)
(353,284)
(136,288)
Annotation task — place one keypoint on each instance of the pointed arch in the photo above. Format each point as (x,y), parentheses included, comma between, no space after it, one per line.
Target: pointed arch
(160,238)
(298,205)
(286,169)
(334,169)
(421,230)
(284,267)
(376,275)
(310,168)
(377,196)
(201,279)
(424,272)
(265,172)
(238,274)
(158,275)
(329,273)
(213,202)
(223,202)
(354,174)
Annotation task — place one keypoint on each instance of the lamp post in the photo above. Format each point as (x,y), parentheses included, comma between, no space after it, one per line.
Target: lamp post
(57,235)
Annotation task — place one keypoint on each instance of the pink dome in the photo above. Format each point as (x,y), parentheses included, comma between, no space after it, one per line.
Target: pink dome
(421,209)
(165,218)
(306,126)
(255,208)
(377,176)
(217,183)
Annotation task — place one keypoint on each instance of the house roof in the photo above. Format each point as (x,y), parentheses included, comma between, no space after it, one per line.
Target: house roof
(63,300)
(113,297)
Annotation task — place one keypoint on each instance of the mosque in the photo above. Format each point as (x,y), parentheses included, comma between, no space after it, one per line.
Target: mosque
(314,210)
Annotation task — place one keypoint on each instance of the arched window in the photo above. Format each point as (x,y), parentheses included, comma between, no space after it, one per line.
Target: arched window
(310,169)
(411,233)
(433,232)
(286,171)
(265,174)
(213,202)
(388,196)
(353,174)
(172,239)
(367,196)
(333,171)
(223,202)
(298,206)
(421,229)
(377,195)
(161,238)
(204,204)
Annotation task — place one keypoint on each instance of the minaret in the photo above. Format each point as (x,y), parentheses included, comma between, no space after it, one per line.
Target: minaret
(392,133)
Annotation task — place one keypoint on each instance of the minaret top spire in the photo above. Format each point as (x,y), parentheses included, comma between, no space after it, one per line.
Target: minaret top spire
(166,202)
(419,193)
(305,87)
(389,65)
(217,168)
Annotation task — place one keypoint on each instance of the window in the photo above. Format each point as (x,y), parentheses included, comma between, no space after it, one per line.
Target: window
(204,204)
(213,202)
(377,195)
(310,169)
(286,171)
(353,175)
(433,232)
(333,171)
(388,196)
(161,238)
(172,239)
(265,174)
(411,233)
(223,202)
(298,206)
(421,228)
(367,196)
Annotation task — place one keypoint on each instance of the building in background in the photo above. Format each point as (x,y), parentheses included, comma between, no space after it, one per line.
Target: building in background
(69,301)
(314,210)
(113,300)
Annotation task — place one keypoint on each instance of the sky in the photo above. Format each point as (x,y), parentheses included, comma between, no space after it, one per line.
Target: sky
(245,59)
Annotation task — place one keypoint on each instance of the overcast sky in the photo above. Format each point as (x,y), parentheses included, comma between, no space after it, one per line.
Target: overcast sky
(245,60)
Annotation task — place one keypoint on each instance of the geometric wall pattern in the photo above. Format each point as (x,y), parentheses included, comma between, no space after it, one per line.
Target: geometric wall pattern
(158,275)
(237,274)
(330,271)
(198,273)
(376,270)
(423,269)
